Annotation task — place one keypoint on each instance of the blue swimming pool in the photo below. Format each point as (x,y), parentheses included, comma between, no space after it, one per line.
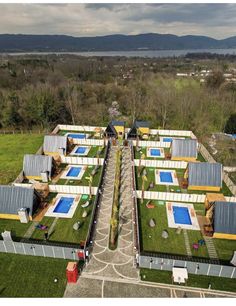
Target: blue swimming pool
(74,171)
(77,136)
(166,177)
(64,205)
(155,152)
(181,215)
(167,139)
(80,150)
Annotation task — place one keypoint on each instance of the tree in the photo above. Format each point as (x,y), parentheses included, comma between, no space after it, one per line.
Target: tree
(230,127)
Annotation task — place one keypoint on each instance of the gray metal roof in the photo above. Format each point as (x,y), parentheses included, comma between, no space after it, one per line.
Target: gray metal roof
(138,124)
(184,148)
(13,198)
(34,165)
(117,123)
(52,143)
(224,217)
(205,174)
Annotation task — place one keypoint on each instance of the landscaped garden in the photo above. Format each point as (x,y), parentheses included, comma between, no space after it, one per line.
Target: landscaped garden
(151,237)
(150,175)
(63,230)
(152,241)
(84,181)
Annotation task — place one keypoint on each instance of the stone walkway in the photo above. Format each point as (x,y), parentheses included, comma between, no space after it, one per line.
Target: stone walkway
(187,243)
(211,248)
(117,264)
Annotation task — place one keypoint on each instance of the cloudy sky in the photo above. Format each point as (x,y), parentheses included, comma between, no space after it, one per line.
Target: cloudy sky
(215,20)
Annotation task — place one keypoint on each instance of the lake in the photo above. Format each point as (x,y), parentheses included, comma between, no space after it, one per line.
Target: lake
(140,53)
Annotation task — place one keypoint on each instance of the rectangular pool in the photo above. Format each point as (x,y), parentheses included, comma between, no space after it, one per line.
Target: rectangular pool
(166,177)
(155,152)
(74,171)
(77,136)
(80,150)
(64,205)
(167,139)
(181,215)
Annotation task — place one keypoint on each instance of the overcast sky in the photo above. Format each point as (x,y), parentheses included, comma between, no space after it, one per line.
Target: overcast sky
(215,20)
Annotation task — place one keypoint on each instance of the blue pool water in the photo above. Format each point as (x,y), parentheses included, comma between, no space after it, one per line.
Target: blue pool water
(155,152)
(181,215)
(167,139)
(166,177)
(80,150)
(64,205)
(77,136)
(74,171)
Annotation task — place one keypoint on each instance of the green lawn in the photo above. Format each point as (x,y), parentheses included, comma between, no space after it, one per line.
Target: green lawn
(28,276)
(83,181)
(151,239)
(13,148)
(137,154)
(225,248)
(17,229)
(151,178)
(93,152)
(63,231)
(200,281)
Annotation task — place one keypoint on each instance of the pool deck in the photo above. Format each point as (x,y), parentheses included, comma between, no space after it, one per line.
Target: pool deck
(66,171)
(50,212)
(192,215)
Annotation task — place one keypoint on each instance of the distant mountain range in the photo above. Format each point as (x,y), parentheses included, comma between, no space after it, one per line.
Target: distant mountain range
(64,43)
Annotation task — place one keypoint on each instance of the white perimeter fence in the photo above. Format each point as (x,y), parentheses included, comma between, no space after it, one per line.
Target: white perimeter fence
(74,160)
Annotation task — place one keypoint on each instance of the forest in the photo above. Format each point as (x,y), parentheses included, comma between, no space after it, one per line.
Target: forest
(40,91)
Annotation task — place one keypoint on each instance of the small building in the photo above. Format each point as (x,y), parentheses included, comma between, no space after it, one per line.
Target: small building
(224,216)
(184,149)
(55,145)
(140,129)
(204,176)
(38,167)
(13,198)
(115,129)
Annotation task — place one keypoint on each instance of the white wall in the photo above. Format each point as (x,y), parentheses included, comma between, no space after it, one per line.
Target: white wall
(161,163)
(85,128)
(172,196)
(74,160)
(72,189)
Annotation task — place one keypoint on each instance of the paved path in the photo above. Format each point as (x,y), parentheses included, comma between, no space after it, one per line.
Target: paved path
(104,287)
(118,264)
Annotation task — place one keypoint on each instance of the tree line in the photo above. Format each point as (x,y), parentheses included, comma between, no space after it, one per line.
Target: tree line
(44,91)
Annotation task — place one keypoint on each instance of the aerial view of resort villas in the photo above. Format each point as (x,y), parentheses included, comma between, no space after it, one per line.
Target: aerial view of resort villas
(124,202)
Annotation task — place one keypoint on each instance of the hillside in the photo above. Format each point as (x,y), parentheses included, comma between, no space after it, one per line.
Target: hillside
(46,43)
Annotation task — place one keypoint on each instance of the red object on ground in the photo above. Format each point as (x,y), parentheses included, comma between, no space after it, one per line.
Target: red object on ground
(72,272)
(150,205)
(81,254)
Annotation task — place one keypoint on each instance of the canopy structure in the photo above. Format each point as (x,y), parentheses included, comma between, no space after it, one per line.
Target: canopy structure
(115,129)
(179,275)
(138,128)
(184,149)
(35,165)
(55,144)
(224,217)
(205,174)
(13,198)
